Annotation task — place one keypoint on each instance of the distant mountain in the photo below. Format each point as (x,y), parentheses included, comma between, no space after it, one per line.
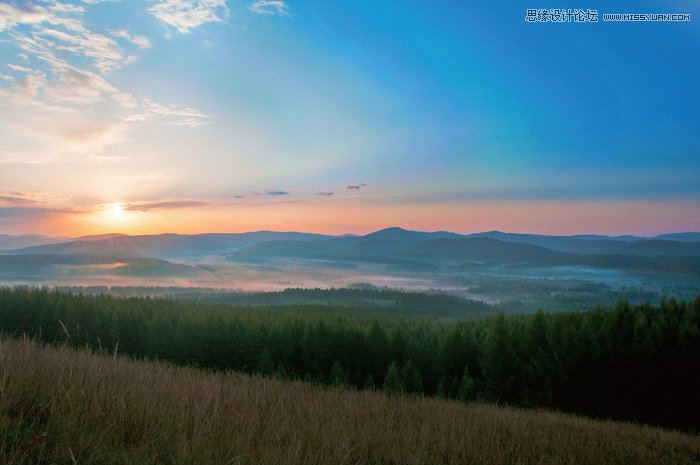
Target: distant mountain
(286,249)
(164,246)
(67,265)
(96,237)
(401,234)
(484,249)
(683,237)
(395,247)
(28,240)
(414,251)
(602,245)
(662,248)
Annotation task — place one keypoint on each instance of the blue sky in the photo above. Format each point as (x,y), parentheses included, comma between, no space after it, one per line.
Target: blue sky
(435,110)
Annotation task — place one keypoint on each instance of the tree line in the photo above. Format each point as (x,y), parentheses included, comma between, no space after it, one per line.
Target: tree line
(638,363)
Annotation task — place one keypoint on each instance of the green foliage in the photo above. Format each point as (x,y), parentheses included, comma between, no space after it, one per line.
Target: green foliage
(265,365)
(411,378)
(468,389)
(338,375)
(393,384)
(632,362)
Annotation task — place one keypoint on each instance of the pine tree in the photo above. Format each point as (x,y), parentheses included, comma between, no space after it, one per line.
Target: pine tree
(339,377)
(498,364)
(411,378)
(265,365)
(467,386)
(392,381)
(370,384)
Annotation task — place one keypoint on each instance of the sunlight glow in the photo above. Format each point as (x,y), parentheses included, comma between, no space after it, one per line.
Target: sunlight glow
(114,214)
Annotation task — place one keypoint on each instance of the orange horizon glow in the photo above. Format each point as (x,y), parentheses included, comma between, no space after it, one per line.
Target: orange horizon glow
(553,218)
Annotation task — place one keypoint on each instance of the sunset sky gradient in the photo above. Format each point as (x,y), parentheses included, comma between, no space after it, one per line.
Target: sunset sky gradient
(346,117)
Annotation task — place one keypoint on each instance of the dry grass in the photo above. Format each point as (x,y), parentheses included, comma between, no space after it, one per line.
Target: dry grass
(62,406)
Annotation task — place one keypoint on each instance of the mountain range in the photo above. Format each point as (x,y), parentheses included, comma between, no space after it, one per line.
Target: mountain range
(396,248)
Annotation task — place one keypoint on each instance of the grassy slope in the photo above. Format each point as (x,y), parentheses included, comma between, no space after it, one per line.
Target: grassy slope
(62,406)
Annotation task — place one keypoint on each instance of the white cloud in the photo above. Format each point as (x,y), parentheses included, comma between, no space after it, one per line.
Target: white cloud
(59,136)
(142,42)
(184,15)
(64,81)
(31,84)
(178,116)
(22,69)
(11,16)
(269,7)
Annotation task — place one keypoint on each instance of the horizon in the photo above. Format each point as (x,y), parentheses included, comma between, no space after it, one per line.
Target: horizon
(193,116)
(111,234)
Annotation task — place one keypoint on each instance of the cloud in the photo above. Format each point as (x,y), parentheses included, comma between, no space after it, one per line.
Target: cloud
(325,194)
(277,193)
(178,116)
(86,133)
(16,198)
(142,42)
(185,15)
(165,204)
(64,82)
(239,196)
(59,136)
(95,2)
(355,187)
(24,213)
(11,16)
(269,7)
(21,69)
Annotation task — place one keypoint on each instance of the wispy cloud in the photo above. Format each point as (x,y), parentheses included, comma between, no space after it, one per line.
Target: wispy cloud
(33,199)
(16,198)
(178,116)
(64,80)
(23,213)
(269,7)
(11,16)
(277,193)
(354,187)
(164,204)
(185,15)
(325,194)
(21,69)
(142,42)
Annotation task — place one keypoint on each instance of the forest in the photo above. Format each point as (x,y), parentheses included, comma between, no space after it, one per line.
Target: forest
(629,362)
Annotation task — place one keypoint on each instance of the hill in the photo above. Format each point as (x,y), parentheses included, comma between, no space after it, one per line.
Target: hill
(389,241)
(8,242)
(62,265)
(163,246)
(392,257)
(63,406)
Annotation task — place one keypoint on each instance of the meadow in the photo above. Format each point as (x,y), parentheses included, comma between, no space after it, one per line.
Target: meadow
(59,405)
(636,363)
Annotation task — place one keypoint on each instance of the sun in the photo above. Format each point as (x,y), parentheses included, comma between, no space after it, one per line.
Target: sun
(114,214)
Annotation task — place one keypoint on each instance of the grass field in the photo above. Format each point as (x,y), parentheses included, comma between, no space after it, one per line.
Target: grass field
(61,406)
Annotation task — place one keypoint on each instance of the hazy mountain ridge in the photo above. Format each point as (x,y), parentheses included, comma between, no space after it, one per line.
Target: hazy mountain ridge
(164,246)
(8,242)
(386,240)
(38,266)
(395,249)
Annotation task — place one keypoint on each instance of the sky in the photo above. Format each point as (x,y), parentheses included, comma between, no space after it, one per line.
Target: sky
(193,116)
